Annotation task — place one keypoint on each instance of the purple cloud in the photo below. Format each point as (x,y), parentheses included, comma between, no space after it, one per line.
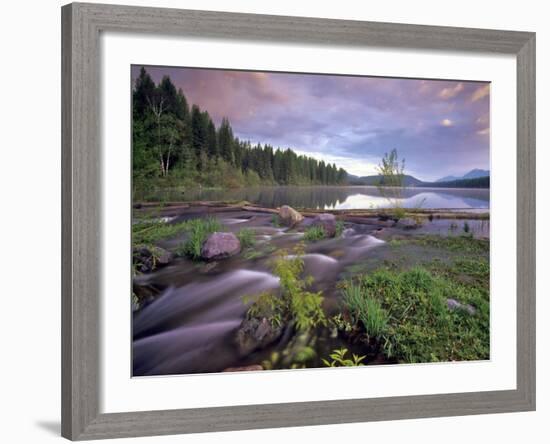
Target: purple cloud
(441,127)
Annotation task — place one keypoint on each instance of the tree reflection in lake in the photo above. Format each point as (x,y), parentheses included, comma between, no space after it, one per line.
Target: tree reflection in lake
(337,197)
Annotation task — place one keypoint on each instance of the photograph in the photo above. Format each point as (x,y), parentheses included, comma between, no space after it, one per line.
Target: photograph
(287,221)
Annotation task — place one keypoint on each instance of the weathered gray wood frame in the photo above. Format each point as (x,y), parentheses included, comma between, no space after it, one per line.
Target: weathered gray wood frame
(81,26)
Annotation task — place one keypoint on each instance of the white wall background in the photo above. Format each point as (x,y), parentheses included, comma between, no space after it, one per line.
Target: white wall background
(30,220)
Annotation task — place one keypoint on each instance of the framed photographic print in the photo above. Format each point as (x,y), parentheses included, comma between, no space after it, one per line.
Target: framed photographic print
(278,221)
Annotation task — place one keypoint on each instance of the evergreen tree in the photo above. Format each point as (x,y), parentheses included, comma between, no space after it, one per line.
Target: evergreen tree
(198,133)
(168,136)
(225,141)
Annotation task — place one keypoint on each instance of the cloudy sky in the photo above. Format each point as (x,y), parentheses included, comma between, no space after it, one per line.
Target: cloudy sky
(440,127)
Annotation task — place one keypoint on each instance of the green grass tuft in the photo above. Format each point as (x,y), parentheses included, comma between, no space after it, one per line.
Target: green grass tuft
(339,228)
(246,237)
(315,233)
(150,232)
(199,230)
(364,308)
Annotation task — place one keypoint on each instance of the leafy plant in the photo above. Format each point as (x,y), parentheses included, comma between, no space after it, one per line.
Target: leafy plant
(314,233)
(338,359)
(294,302)
(305,307)
(340,323)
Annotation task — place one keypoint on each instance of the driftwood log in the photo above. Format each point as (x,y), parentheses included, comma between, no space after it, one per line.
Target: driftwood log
(202,207)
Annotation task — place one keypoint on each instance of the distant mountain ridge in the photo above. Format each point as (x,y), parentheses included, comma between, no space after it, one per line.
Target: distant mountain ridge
(379,180)
(473,179)
(473,174)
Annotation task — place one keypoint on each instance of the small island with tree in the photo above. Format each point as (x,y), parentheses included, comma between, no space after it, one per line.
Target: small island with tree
(279,221)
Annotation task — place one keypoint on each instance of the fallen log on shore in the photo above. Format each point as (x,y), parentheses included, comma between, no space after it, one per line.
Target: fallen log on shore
(175,208)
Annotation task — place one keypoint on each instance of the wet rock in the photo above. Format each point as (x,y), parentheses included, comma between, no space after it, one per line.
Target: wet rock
(407,223)
(220,245)
(246,368)
(289,216)
(143,293)
(146,259)
(207,267)
(255,334)
(327,222)
(453,304)
(348,232)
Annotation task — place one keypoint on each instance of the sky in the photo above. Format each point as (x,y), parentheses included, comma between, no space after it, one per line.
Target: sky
(440,127)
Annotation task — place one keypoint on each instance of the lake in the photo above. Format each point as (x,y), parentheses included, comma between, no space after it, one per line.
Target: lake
(339,197)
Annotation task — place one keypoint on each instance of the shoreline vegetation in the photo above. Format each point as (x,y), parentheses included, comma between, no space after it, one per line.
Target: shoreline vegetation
(232,285)
(174,144)
(178,145)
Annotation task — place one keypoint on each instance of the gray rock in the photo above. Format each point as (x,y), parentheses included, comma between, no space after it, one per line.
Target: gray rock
(220,245)
(327,222)
(146,259)
(289,216)
(255,334)
(453,304)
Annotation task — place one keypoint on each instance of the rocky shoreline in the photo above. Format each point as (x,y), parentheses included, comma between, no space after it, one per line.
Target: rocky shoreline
(338,246)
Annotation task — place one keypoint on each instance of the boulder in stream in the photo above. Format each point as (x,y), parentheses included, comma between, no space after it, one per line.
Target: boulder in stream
(327,222)
(220,245)
(289,216)
(255,334)
(147,258)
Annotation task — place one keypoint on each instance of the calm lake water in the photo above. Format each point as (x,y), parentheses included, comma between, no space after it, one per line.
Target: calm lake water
(338,197)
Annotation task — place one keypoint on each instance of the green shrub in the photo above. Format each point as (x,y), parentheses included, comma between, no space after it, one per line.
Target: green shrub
(399,212)
(305,307)
(315,233)
(294,302)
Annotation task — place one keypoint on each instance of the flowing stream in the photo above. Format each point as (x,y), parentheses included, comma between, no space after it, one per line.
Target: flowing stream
(191,326)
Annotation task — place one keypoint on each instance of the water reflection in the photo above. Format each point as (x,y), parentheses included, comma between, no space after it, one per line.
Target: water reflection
(335,197)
